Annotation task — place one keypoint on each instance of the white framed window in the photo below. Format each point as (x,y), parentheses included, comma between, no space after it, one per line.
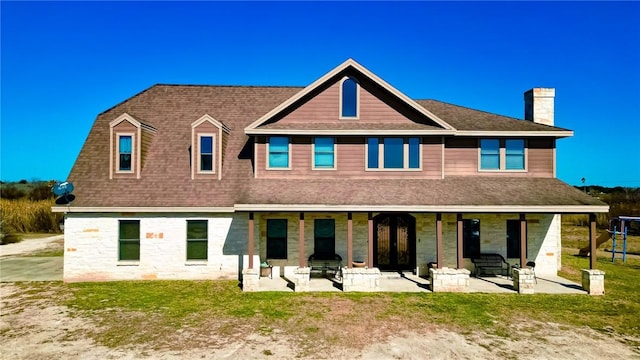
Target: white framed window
(206,152)
(278,153)
(502,155)
(125,149)
(324,153)
(349,98)
(393,153)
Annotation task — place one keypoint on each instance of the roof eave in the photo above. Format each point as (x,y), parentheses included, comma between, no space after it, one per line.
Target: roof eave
(554,209)
(536,133)
(140,209)
(348,132)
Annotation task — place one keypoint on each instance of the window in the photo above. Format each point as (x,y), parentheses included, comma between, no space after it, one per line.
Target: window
(514,154)
(513,238)
(507,154)
(197,239)
(470,238)
(124,152)
(324,238)
(395,153)
(129,240)
(276,238)
(323,153)
(489,154)
(349,100)
(278,152)
(206,153)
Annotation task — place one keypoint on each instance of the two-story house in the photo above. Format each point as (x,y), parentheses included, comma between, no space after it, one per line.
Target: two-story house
(206,182)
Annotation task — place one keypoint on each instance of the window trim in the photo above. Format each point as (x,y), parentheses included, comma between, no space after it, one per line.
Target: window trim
(503,157)
(206,240)
(268,146)
(114,144)
(405,154)
(120,240)
(199,153)
(334,152)
(133,152)
(340,88)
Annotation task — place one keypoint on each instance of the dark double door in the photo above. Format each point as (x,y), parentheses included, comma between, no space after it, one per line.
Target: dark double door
(394,241)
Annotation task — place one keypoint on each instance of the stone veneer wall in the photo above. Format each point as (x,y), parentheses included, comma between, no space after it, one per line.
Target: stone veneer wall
(91,248)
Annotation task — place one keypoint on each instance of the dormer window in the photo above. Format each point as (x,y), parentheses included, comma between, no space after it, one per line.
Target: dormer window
(206,153)
(128,144)
(349,98)
(125,148)
(208,137)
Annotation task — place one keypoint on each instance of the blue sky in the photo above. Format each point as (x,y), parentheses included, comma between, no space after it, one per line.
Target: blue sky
(62,63)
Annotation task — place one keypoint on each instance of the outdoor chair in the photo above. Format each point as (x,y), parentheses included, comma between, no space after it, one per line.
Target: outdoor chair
(531,265)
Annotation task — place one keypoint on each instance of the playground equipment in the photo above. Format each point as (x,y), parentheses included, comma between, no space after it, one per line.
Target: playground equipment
(618,226)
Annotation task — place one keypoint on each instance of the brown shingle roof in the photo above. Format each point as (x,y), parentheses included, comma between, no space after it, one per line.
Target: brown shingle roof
(454,190)
(165,177)
(463,118)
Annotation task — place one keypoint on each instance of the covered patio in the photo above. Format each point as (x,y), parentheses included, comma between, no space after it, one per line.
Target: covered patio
(411,283)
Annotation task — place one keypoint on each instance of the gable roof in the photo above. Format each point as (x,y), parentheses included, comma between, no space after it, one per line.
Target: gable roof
(348,65)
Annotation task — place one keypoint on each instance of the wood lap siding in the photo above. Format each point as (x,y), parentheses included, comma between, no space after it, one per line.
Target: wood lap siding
(325,108)
(350,161)
(461,158)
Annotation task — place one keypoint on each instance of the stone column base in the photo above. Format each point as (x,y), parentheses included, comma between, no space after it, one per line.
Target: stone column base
(449,280)
(250,280)
(593,281)
(301,278)
(524,281)
(360,279)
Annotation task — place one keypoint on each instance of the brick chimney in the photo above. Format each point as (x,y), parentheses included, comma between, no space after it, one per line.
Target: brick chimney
(538,105)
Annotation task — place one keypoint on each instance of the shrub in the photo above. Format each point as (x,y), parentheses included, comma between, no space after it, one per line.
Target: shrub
(11,192)
(7,234)
(24,215)
(41,191)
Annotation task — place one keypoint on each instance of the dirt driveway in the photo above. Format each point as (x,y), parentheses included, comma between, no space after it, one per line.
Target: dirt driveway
(14,266)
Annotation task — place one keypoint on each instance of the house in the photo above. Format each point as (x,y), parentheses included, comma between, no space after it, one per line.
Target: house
(206,182)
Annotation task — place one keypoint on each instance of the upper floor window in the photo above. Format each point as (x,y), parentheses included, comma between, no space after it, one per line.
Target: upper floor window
(278,152)
(489,154)
(206,153)
(324,153)
(507,154)
(349,98)
(393,153)
(514,154)
(125,147)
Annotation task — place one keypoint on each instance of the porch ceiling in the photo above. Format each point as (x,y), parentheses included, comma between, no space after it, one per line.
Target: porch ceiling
(467,194)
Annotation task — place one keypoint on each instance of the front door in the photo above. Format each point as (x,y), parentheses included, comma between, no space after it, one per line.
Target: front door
(394,241)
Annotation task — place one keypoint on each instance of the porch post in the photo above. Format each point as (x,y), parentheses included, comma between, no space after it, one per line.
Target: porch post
(460,264)
(523,241)
(301,259)
(592,241)
(349,240)
(250,240)
(439,246)
(370,241)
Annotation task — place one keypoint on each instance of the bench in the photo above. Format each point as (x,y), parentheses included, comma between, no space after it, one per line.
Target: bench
(326,264)
(490,262)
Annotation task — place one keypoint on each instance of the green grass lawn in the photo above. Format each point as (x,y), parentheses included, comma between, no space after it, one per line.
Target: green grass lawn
(137,312)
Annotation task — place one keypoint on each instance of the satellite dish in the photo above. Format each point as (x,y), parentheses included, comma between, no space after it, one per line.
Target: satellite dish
(60,189)
(65,199)
(63,191)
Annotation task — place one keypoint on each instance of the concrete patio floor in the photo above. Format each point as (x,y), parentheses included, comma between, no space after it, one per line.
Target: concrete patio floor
(408,282)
